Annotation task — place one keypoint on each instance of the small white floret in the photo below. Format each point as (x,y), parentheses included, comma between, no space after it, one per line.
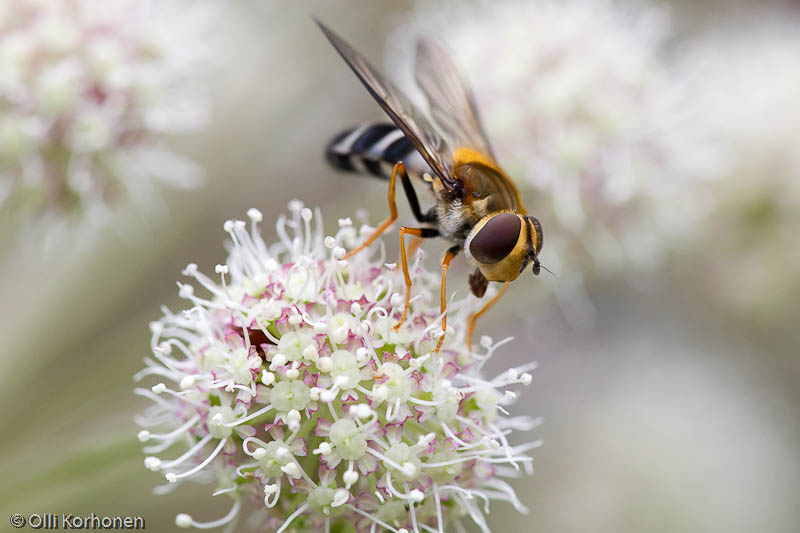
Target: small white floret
(325,364)
(327,396)
(362,354)
(410,469)
(340,497)
(183,520)
(324,448)
(361,410)
(185,291)
(277,360)
(350,477)
(291,470)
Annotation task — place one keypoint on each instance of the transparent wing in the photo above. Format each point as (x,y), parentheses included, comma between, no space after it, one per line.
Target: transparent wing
(415,126)
(451,102)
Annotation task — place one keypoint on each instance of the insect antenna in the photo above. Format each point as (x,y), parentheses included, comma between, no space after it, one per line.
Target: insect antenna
(551,272)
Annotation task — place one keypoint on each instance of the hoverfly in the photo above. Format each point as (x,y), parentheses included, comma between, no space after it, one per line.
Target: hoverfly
(477,206)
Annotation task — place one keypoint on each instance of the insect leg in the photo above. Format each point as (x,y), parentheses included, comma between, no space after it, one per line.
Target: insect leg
(413,201)
(424,233)
(448,256)
(415,244)
(399,168)
(473,318)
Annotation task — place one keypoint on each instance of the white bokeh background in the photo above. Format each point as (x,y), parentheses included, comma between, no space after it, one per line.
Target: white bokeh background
(671,408)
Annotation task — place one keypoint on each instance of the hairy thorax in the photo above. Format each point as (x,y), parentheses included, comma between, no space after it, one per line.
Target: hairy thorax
(486,190)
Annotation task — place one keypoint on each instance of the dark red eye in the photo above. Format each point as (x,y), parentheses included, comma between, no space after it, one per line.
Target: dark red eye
(495,240)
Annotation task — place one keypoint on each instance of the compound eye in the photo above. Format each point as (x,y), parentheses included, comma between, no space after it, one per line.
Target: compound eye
(495,240)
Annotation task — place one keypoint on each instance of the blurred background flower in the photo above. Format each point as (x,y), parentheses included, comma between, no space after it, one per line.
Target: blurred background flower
(749,95)
(674,411)
(88,95)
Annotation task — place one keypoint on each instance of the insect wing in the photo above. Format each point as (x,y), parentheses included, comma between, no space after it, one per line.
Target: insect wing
(451,102)
(414,125)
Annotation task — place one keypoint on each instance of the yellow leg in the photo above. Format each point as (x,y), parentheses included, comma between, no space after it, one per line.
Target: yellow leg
(415,244)
(476,316)
(399,168)
(417,232)
(448,256)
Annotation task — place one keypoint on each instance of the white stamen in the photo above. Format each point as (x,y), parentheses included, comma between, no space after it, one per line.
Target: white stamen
(291,470)
(350,477)
(340,497)
(324,448)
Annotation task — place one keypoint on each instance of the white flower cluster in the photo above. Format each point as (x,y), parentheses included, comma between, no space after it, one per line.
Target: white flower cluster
(290,386)
(88,91)
(750,93)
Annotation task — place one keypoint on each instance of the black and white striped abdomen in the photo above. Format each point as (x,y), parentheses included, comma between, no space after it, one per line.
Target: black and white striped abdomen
(373,149)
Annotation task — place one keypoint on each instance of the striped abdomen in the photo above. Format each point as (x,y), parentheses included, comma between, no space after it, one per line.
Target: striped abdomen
(373,149)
